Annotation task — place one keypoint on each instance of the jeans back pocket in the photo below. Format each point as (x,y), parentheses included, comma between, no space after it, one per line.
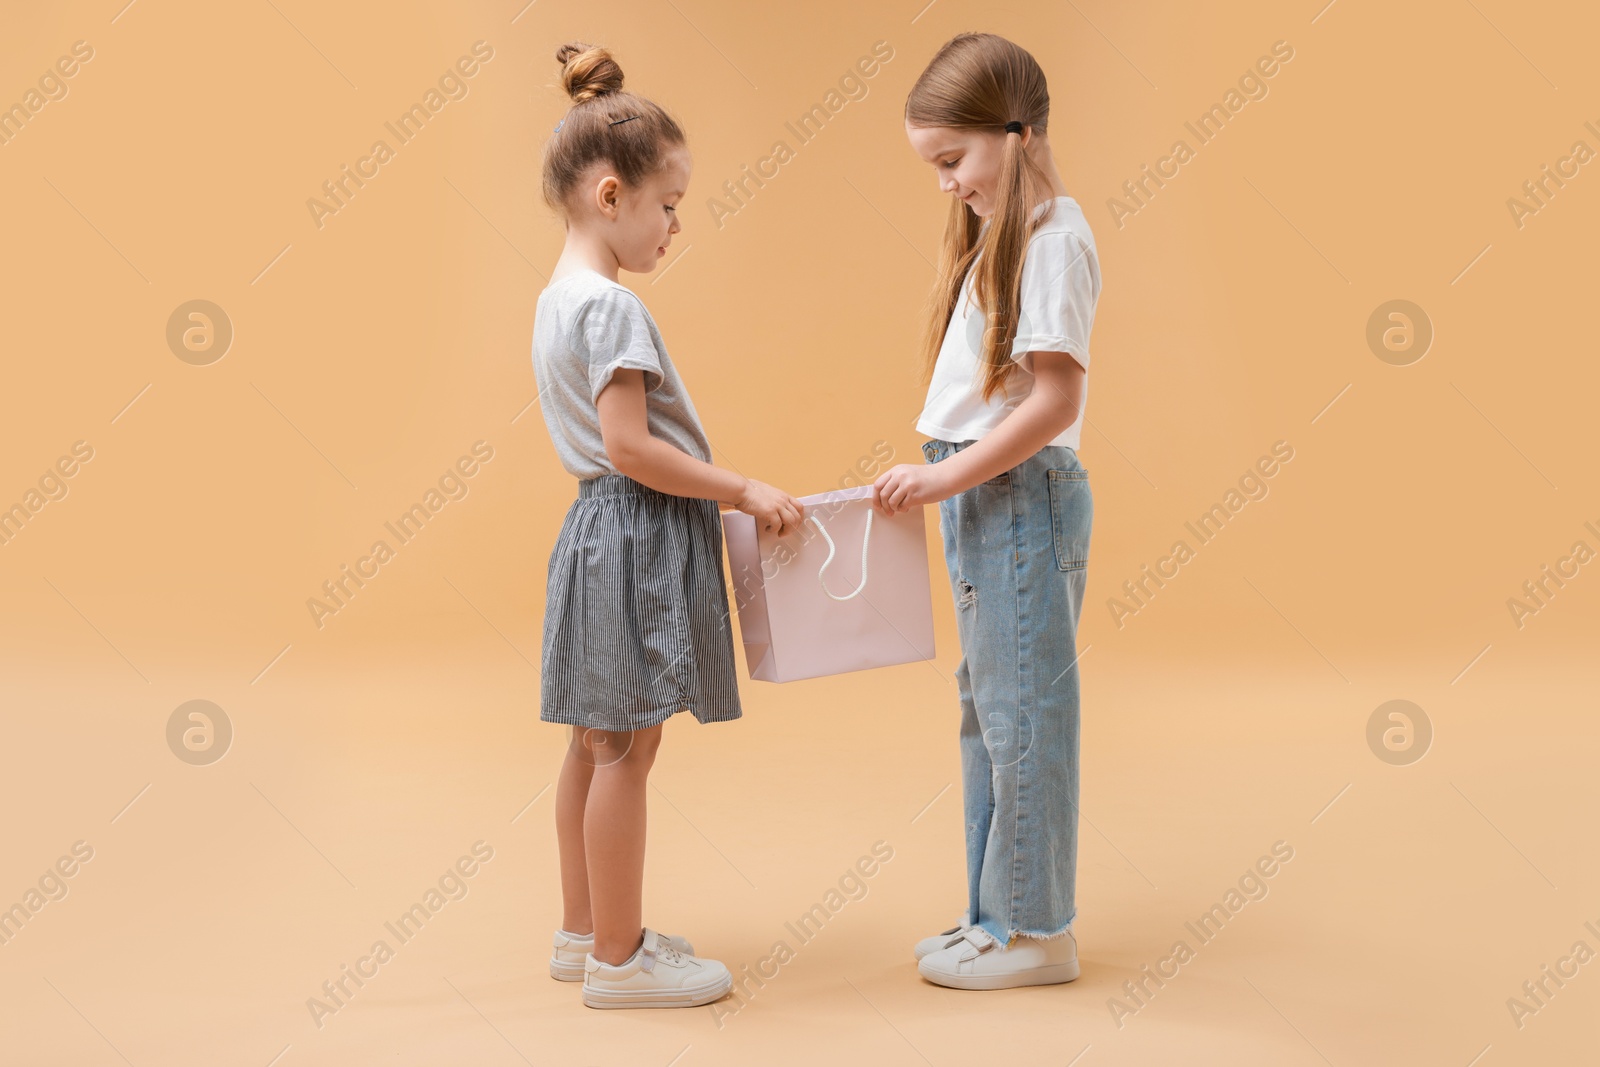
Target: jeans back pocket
(1071,517)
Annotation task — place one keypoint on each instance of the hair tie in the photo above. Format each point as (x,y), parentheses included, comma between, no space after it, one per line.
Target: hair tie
(630,118)
(1013,126)
(557,127)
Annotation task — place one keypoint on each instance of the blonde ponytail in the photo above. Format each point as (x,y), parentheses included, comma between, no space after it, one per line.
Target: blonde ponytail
(978,81)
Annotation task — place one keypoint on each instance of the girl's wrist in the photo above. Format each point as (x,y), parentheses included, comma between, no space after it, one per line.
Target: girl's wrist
(950,476)
(740,492)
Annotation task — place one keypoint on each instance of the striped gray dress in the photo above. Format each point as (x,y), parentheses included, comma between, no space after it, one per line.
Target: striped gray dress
(636,607)
(636,611)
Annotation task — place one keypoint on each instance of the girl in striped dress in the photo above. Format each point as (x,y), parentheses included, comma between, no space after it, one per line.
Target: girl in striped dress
(636,612)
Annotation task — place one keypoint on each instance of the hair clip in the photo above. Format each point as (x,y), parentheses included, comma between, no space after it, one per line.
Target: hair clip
(558,126)
(630,118)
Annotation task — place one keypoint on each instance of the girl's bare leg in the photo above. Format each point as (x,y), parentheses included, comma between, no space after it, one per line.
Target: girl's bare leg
(613,839)
(572,795)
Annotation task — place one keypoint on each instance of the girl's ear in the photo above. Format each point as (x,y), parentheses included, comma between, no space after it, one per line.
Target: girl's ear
(606,195)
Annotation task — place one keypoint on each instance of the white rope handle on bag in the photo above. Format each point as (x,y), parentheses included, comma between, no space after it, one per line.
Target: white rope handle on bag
(865,537)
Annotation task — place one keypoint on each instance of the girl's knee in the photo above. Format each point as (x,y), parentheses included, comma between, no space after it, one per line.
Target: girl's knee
(625,750)
(644,743)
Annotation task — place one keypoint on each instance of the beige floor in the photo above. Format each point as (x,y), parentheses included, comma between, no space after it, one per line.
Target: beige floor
(215,905)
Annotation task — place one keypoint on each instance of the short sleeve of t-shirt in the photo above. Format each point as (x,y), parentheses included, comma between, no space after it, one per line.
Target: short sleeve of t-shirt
(613,332)
(1060,284)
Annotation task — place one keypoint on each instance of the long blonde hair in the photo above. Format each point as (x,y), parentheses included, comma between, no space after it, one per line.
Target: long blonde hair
(979,81)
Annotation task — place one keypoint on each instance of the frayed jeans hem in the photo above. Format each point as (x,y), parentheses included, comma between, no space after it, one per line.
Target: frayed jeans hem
(1005,937)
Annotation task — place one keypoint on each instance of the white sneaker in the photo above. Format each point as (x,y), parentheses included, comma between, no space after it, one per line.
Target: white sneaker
(656,976)
(569,951)
(939,941)
(976,960)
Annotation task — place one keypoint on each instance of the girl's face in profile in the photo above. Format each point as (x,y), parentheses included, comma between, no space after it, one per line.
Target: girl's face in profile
(647,216)
(967,162)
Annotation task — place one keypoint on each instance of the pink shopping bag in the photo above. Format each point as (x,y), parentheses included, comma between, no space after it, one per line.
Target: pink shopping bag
(848,591)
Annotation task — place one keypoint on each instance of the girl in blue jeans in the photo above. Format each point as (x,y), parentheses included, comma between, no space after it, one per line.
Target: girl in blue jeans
(1008,356)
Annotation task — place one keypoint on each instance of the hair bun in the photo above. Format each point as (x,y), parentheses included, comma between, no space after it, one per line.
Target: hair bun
(588,71)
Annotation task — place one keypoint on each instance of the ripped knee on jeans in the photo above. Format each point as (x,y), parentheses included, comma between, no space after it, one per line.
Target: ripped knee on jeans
(968,593)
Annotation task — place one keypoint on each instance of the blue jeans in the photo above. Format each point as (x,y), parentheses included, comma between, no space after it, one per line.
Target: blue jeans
(1017,548)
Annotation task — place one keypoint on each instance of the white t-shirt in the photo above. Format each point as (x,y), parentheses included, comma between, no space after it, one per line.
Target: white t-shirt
(585,328)
(1060,285)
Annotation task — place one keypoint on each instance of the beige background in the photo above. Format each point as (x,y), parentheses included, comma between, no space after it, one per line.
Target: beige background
(368,354)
